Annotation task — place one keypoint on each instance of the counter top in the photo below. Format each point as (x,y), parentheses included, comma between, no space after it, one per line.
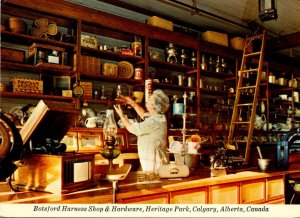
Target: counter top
(102,192)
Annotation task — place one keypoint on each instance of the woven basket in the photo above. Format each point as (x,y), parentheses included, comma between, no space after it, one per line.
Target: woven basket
(159,22)
(216,38)
(238,43)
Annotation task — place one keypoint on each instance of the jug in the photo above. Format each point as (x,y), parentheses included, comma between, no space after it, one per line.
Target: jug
(91,122)
(259,121)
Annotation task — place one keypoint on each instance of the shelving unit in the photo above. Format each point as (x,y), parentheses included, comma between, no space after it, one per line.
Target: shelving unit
(76,20)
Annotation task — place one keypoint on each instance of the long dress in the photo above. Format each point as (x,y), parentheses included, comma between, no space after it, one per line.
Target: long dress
(151,140)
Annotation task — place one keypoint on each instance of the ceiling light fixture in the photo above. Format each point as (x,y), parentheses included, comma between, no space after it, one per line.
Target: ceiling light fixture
(267,10)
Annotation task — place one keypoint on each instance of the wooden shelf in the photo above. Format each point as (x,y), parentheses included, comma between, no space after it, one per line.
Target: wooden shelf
(107,54)
(33,96)
(36,69)
(28,40)
(173,86)
(177,67)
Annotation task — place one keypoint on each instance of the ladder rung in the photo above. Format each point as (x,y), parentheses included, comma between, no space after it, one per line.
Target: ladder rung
(246,87)
(241,141)
(252,54)
(241,122)
(255,37)
(249,70)
(245,104)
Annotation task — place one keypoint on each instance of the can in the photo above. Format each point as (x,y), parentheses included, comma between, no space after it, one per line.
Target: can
(138,73)
(148,89)
(178,108)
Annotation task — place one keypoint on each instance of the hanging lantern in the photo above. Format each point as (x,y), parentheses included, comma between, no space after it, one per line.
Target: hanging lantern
(267,10)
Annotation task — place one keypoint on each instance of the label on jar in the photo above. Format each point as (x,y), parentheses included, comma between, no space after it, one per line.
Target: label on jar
(138,73)
(148,89)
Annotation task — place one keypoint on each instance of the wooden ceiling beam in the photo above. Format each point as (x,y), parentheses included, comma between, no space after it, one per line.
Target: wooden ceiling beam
(284,42)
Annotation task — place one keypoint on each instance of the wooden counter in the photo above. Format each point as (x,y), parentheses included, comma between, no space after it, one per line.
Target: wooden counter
(246,187)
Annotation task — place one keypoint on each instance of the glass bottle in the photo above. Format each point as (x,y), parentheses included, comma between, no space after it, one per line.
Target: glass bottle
(203,63)
(224,65)
(211,64)
(193,59)
(218,65)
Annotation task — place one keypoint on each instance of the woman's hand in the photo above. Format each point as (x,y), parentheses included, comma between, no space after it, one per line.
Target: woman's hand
(127,100)
(119,110)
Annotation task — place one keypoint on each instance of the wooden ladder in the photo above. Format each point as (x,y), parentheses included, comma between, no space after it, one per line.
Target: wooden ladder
(245,103)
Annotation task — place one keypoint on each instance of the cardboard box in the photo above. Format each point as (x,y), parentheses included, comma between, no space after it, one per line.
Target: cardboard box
(27,85)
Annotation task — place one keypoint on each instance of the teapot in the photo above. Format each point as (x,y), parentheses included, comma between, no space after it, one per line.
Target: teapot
(259,121)
(90,122)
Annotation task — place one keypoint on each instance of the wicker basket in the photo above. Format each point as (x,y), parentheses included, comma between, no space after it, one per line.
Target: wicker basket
(238,43)
(159,22)
(215,37)
(17,25)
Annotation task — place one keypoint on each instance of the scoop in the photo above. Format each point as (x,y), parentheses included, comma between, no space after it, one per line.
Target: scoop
(259,152)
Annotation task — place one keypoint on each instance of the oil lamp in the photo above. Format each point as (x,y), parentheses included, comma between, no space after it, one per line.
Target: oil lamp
(110,152)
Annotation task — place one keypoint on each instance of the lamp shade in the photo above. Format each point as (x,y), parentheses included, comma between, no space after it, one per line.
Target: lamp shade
(110,125)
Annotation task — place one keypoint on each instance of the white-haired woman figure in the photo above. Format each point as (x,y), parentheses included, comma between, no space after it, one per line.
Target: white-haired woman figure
(151,132)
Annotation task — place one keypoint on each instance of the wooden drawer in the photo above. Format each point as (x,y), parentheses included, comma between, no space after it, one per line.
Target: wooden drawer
(90,141)
(189,196)
(253,191)
(224,194)
(71,140)
(275,188)
(149,199)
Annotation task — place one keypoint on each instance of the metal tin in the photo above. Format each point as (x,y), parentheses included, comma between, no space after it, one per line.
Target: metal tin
(148,89)
(178,108)
(138,73)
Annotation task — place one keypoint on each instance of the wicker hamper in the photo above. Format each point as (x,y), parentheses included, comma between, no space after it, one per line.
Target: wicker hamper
(159,22)
(238,43)
(215,37)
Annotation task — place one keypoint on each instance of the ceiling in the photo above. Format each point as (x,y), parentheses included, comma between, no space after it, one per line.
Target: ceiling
(235,17)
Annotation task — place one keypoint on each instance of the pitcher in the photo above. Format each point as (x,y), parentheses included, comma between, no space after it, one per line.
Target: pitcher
(259,121)
(91,122)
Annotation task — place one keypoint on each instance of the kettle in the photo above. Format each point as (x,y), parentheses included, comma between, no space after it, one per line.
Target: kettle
(259,121)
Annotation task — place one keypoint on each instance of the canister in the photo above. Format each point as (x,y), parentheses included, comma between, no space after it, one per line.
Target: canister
(148,89)
(138,73)
(190,81)
(178,108)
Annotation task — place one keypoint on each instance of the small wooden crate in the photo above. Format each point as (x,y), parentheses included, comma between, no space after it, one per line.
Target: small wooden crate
(13,55)
(90,65)
(215,37)
(27,85)
(56,173)
(159,22)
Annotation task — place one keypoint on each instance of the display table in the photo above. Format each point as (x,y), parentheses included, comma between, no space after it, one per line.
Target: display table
(247,187)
